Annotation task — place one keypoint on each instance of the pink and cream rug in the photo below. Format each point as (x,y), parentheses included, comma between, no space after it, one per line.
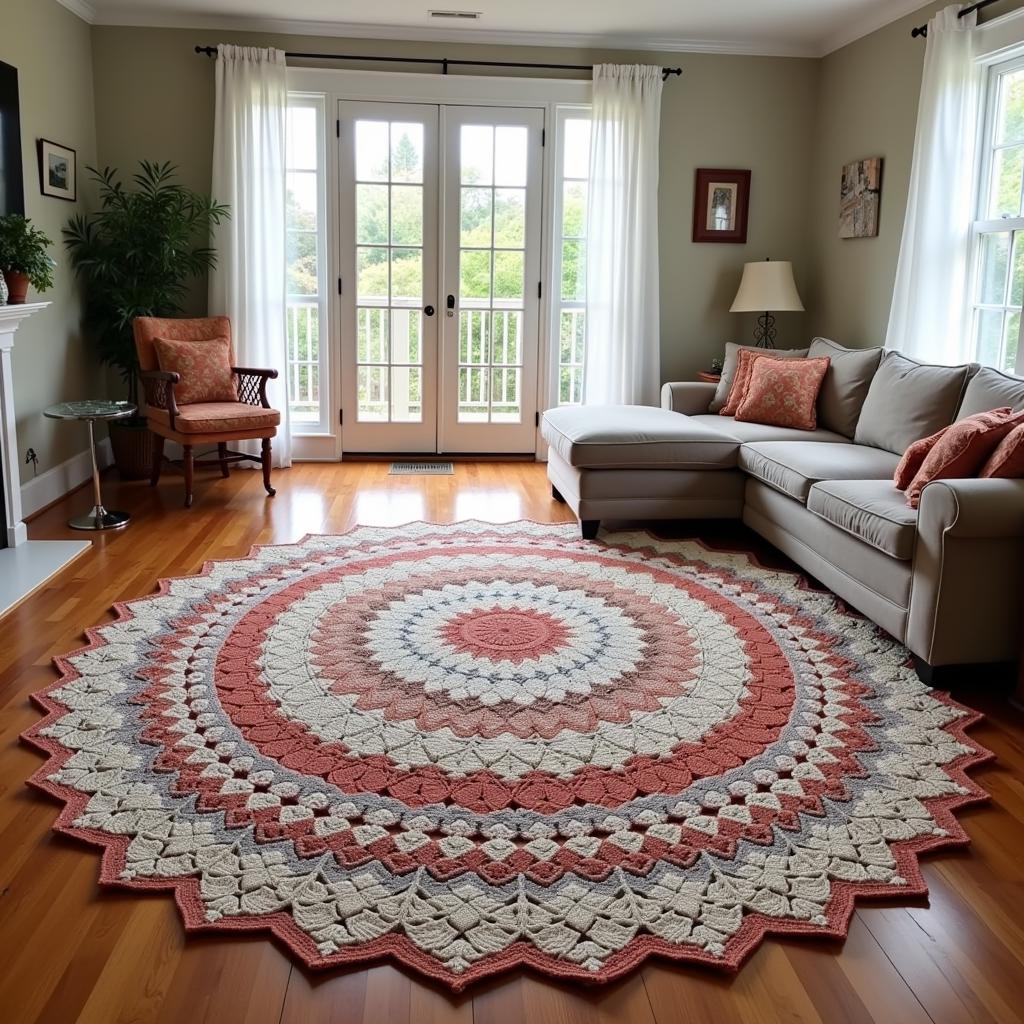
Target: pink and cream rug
(471,747)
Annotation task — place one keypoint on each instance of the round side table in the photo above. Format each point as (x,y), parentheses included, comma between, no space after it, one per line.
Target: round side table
(90,411)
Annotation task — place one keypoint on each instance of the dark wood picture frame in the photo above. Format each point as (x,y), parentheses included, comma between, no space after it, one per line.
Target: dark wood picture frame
(735,186)
(45,148)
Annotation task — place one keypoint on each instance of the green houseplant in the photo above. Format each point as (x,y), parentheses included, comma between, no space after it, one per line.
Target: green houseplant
(24,259)
(136,256)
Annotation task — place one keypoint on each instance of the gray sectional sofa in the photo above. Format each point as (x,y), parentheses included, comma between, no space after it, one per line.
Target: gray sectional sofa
(945,579)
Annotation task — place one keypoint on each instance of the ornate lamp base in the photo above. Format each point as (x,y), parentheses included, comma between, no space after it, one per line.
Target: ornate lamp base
(765,333)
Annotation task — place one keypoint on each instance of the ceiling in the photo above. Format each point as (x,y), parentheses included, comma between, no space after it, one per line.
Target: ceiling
(784,27)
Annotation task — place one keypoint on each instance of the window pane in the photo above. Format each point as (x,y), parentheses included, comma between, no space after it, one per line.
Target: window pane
(995,261)
(1011,340)
(990,336)
(1007,168)
(1017,273)
(473,395)
(474,343)
(406,400)
(407,214)
(510,217)
(372,214)
(505,400)
(510,147)
(475,275)
(574,209)
(372,272)
(407,333)
(372,341)
(302,264)
(477,154)
(407,276)
(574,271)
(576,148)
(303,326)
(476,216)
(1010,126)
(301,145)
(505,343)
(372,387)
(372,150)
(572,332)
(406,152)
(509,268)
(302,200)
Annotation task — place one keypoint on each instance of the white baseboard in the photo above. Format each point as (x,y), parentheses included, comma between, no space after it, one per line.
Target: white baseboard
(52,485)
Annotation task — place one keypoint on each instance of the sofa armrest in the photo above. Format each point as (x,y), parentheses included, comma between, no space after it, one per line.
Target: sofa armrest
(972,508)
(689,397)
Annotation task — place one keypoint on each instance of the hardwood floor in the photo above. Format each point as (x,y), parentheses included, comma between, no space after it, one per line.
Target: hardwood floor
(70,951)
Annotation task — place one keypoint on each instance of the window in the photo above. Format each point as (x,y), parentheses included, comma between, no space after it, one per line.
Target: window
(570,252)
(998,289)
(307,265)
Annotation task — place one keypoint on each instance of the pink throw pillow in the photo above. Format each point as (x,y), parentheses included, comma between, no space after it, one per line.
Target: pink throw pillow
(1007,461)
(784,392)
(204,368)
(745,359)
(913,457)
(963,449)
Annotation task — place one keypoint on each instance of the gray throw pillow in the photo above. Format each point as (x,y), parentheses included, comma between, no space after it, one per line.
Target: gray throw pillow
(845,385)
(732,351)
(908,400)
(990,389)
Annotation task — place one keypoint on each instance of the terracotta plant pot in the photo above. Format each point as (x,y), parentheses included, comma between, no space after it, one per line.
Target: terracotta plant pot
(17,287)
(131,444)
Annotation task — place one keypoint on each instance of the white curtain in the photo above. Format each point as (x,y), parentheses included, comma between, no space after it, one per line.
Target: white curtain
(929,319)
(248,283)
(623,359)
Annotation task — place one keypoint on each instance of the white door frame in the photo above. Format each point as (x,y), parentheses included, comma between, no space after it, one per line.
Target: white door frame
(475,90)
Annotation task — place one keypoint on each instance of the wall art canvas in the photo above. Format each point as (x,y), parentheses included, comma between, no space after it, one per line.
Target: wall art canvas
(860,198)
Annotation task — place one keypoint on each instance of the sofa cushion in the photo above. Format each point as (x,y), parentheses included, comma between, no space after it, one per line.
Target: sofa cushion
(635,437)
(846,384)
(990,389)
(217,417)
(872,510)
(732,351)
(747,432)
(909,400)
(793,467)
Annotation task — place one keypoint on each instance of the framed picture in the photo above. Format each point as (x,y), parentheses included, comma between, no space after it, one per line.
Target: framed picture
(721,204)
(860,197)
(57,170)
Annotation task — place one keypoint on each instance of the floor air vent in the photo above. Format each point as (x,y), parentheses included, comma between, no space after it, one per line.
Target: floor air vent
(421,469)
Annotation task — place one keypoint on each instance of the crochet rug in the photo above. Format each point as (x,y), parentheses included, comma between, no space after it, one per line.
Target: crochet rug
(474,747)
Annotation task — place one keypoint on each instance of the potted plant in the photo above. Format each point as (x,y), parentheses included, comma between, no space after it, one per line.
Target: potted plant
(23,257)
(136,256)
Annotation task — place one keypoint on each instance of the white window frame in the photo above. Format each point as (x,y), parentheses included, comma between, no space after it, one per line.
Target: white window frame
(320,428)
(563,113)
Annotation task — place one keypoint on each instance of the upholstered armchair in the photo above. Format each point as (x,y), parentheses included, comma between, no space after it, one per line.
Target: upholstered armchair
(206,399)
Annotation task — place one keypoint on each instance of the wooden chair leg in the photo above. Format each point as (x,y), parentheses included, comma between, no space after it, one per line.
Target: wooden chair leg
(222,453)
(158,460)
(266,467)
(186,451)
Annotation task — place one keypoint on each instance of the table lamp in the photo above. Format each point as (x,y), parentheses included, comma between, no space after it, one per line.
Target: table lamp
(766,288)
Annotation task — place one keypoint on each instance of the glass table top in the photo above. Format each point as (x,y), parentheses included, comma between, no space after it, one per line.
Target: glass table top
(90,409)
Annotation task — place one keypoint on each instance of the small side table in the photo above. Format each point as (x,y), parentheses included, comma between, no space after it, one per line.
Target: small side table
(90,411)
(708,378)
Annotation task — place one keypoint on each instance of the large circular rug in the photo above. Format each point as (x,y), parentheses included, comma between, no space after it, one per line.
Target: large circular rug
(470,747)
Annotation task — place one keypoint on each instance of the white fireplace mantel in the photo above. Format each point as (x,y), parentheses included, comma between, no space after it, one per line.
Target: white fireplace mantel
(11,318)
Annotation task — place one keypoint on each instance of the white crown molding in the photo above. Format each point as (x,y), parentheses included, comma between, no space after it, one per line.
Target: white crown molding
(83,8)
(861,27)
(431,33)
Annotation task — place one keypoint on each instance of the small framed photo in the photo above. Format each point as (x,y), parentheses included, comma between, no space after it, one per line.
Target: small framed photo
(721,204)
(58,174)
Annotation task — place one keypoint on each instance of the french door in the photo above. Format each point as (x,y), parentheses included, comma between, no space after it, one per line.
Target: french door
(440,270)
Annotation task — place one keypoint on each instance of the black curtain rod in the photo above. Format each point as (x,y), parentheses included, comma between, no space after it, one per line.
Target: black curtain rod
(445,62)
(922,30)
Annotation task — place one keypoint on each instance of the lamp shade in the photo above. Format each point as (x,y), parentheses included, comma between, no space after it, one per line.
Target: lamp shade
(767,286)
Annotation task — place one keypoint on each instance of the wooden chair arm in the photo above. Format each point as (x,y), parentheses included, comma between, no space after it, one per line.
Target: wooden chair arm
(252,385)
(158,386)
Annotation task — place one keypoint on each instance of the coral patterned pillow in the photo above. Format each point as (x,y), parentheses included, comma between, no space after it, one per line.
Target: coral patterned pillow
(1007,461)
(913,457)
(784,392)
(963,449)
(204,367)
(745,359)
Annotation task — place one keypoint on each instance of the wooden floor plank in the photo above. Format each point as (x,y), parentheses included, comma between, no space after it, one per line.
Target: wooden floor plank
(70,951)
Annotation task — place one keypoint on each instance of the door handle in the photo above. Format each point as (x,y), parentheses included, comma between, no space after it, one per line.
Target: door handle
(429,310)
(450,303)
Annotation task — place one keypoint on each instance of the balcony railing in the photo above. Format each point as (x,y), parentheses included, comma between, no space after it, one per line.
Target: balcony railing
(303,320)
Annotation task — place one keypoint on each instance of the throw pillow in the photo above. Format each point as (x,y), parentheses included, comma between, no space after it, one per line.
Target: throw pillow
(732,352)
(783,393)
(1007,461)
(963,449)
(912,459)
(908,400)
(741,380)
(846,384)
(204,368)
